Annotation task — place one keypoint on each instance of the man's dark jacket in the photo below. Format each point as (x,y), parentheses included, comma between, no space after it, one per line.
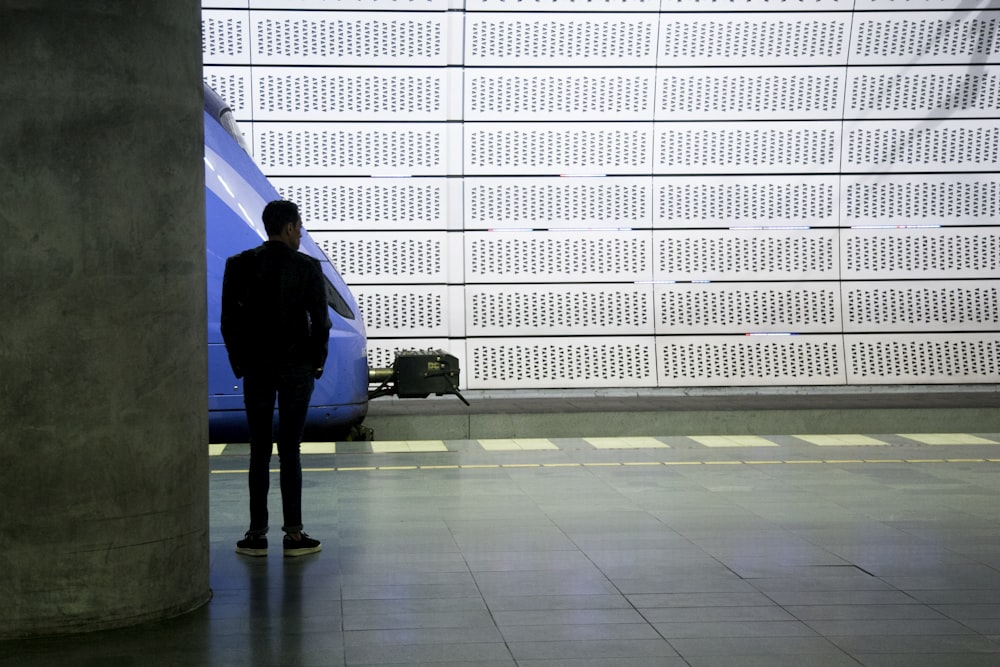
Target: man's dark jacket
(274,311)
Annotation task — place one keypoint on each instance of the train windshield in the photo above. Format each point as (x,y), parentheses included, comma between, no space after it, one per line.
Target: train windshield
(337,302)
(228,121)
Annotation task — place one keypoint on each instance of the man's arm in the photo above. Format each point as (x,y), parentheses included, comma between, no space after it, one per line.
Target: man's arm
(319,318)
(232,320)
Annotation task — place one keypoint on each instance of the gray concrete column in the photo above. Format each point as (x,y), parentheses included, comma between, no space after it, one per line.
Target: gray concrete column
(103,423)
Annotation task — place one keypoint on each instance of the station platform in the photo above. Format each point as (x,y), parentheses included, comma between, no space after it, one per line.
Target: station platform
(704,549)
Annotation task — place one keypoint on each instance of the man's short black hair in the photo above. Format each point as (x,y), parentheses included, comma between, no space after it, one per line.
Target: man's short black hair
(277,214)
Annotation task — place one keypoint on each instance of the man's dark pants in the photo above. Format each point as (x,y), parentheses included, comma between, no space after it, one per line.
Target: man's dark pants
(293,390)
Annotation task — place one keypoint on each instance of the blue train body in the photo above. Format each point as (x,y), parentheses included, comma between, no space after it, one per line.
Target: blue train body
(235,193)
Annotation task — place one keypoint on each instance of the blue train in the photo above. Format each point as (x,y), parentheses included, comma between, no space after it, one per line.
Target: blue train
(235,194)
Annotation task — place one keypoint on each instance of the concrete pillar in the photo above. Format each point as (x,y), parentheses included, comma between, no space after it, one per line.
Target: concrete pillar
(103,423)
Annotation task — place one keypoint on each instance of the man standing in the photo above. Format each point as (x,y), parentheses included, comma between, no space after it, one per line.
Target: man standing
(276,329)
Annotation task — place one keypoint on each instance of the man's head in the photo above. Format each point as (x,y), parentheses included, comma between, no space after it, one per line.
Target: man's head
(282,223)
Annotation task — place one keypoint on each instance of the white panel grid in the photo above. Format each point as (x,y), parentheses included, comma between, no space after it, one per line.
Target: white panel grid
(732,361)
(919,200)
(929,91)
(379,258)
(232,83)
(349,38)
(555,257)
(700,140)
(742,201)
(559,363)
(744,255)
(580,149)
(553,203)
(350,94)
(602,40)
(925,38)
(382,351)
(920,145)
(747,308)
(557,94)
(749,93)
(949,305)
(404,310)
(921,254)
(923,358)
(225,37)
(351,149)
(754,148)
(558,310)
(369,203)
(754,39)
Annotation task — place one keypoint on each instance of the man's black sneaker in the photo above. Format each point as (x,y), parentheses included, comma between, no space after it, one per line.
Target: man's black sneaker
(301,547)
(252,545)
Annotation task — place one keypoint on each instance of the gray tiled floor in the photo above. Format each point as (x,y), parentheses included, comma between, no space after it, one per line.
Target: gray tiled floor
(687,555)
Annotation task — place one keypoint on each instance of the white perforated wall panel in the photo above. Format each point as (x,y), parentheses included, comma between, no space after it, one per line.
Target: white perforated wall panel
(350,93)
(906,92)
(553,94)
(925,37)
(413,310)
(557,149)
(920,200)
(379,5)
(908,145)
(369,203)
(754,39)
(560,39)
(755,148)
(556,363)
(749,255)
(518,257)
(921,253)
(348,38)
(559,310)
(225,37)
(923,358)
(565,5)
(232,83)
(749,93)
(557,203)
(947,305)
(379,258)
(350,149)
(687,202)
(747,308)
(750,360)
(632,193)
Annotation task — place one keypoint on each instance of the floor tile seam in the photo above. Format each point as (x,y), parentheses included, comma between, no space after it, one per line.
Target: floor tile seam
(479,590)
(625,596)
(621,464)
